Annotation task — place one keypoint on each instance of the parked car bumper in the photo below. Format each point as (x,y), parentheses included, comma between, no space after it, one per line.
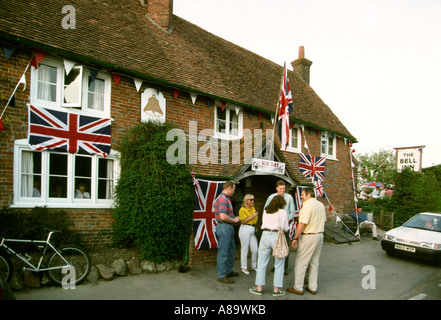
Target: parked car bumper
(393,247)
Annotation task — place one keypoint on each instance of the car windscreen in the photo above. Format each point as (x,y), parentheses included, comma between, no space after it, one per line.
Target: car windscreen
(425,222)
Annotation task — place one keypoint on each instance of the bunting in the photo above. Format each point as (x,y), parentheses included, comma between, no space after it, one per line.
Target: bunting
(117,78)
(193,97)
(138,84)
(8,51)
(223,105)
(68,66)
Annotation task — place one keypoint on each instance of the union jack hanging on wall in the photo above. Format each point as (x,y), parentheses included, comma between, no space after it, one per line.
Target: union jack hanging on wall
(57,130)
(204,223)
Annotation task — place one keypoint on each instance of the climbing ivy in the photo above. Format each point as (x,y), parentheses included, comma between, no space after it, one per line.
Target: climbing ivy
(154,199)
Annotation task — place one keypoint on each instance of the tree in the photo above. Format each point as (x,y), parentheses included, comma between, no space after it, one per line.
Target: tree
(376,166)
(153,199)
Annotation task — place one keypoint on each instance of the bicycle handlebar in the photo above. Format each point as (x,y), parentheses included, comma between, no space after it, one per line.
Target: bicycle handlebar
(52,230)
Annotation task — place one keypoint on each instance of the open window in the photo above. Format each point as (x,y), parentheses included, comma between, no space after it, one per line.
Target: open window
(86,90)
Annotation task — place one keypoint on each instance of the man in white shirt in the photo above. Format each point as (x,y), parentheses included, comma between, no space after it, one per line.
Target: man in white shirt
(312,218)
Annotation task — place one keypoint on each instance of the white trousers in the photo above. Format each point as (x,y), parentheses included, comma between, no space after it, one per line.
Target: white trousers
(371,225)
(308,255)
(248,239)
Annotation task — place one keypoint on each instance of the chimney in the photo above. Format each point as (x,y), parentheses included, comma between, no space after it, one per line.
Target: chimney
(302,65)
(160,12)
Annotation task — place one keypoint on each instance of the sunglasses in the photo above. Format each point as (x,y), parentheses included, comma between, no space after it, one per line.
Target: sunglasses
(251,199)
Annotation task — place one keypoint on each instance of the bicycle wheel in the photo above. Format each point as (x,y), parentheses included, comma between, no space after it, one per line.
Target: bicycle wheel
(77,258)
(5,267)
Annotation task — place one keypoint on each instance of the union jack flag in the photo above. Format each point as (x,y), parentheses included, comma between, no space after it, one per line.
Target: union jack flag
(292,229)
(319,189)
(286,107)
(57,130)
(314,169)
(204,223)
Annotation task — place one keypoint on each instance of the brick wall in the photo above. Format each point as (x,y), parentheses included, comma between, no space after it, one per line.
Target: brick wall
(94,225)
(14,119)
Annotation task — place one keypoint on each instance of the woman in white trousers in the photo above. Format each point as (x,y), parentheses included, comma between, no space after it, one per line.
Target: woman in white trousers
(247,233)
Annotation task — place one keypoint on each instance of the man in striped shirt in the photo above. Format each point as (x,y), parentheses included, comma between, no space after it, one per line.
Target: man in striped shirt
(224,215)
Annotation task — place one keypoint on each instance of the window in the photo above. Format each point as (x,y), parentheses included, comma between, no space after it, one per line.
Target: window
(228,122)
(295,141)
(30,177)
(83,90)
(47,80)
(95,93)
(55,179)
(328,145)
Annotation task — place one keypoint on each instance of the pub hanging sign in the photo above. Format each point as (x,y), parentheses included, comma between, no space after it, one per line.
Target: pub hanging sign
(410,157)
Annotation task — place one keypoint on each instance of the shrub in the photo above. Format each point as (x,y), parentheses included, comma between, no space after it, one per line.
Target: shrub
(415,192)
(33,224)
(153,199)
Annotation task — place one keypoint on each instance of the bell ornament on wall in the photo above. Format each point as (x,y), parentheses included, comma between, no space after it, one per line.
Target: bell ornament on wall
(153,108)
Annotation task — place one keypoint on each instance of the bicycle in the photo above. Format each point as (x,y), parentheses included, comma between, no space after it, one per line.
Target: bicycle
(69,261)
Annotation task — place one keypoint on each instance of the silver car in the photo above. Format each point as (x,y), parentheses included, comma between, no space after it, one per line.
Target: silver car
(419,237)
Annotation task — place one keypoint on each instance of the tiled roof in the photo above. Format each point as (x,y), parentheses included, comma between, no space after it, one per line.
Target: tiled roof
(117,35)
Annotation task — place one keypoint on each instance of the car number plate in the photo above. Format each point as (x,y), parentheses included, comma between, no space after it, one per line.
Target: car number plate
(404,248)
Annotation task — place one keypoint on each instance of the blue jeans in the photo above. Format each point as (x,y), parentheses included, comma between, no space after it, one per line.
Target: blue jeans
(265,252)
(226,248)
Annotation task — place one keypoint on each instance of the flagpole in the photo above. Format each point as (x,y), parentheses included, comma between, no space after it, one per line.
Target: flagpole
(277,110)
(357,233)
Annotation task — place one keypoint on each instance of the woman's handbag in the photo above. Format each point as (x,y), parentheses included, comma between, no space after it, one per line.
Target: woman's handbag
(281,249)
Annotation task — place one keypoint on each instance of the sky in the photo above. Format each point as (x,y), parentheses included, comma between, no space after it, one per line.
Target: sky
(376,63)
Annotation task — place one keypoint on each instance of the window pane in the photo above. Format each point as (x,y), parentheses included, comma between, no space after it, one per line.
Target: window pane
(57,175)
(83,167)
(47,83)
(331,146)
(58,164)
(294,138)
(72,87)
(221,120)
(31,174)
(324,146)
(83,177)
(234,123)
(105,179)
(95,95)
